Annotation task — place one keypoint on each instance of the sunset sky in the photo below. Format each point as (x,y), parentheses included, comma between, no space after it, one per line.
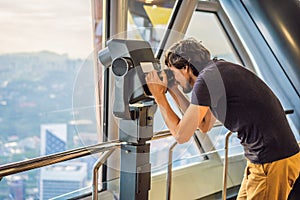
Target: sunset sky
(61,26)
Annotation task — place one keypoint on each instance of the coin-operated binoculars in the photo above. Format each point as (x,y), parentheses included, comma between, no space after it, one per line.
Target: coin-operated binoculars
(130,60)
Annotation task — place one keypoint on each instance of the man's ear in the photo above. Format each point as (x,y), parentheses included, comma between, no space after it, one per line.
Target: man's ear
(186,68)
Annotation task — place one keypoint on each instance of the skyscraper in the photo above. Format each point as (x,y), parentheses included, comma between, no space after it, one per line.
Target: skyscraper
(53,138)
(62,178)
(16,185)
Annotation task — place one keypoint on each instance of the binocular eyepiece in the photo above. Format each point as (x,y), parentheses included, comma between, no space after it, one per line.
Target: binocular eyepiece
(120,67)
(170,76)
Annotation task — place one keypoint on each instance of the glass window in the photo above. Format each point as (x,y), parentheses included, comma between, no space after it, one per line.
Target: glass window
(144,23)
(206,27)
(148,21)
(183,154)
(44,59)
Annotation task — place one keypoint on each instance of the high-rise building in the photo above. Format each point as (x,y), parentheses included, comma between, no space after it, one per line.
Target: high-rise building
(53,138)
(62,178)
(16,186)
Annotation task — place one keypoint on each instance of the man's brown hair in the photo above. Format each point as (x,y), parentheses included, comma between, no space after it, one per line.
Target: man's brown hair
(188,52)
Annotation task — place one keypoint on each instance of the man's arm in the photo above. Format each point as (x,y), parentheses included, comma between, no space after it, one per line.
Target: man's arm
(182,129)
(180,99)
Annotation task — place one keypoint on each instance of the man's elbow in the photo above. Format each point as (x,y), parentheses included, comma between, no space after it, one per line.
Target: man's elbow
(205,129)
(181,140)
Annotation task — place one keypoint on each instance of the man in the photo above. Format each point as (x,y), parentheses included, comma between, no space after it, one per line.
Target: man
(243,103)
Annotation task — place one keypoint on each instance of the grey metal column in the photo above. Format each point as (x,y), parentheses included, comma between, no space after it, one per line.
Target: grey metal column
(135,172)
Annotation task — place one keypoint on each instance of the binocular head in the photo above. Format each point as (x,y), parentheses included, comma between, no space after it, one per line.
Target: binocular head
(130,61)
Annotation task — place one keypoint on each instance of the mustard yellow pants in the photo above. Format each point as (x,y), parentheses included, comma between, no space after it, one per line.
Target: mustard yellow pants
(270,181)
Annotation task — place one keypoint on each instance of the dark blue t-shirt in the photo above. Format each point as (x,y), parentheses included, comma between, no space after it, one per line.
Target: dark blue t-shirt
(245,104)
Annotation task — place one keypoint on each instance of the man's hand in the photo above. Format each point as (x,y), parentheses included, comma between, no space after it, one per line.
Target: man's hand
(157,86)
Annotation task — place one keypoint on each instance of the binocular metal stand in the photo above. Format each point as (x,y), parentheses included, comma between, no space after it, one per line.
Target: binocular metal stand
(135,178)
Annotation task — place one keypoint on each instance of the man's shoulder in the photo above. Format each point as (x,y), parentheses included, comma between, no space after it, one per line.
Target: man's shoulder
(225,68)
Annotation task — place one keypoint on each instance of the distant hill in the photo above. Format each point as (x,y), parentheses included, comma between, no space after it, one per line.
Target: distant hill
(33,66)
(32,85)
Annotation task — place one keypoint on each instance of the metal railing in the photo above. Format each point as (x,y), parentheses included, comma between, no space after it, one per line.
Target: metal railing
(169,172)
(96,167)
(106,148)
(43,161)
(225,166)
(34,163)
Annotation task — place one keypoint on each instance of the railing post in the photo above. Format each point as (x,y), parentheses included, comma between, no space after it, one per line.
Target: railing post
(96,167)
(225,167)
(169,172)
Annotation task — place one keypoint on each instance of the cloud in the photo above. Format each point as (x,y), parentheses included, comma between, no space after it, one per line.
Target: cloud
(61,26)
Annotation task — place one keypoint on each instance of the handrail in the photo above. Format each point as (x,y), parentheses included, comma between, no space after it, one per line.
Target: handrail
(169,173)
(166,133)
(34,163)
(96,167)
(161,134)
(225,167)
(16,167)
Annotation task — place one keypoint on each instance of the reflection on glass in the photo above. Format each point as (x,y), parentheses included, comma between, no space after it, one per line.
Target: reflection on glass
(148,22)
(181,154)
(44,48)
(206,27)
(147,26)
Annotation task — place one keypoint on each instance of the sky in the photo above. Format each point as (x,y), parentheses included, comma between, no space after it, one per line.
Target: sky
(65,27)
(60,26)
